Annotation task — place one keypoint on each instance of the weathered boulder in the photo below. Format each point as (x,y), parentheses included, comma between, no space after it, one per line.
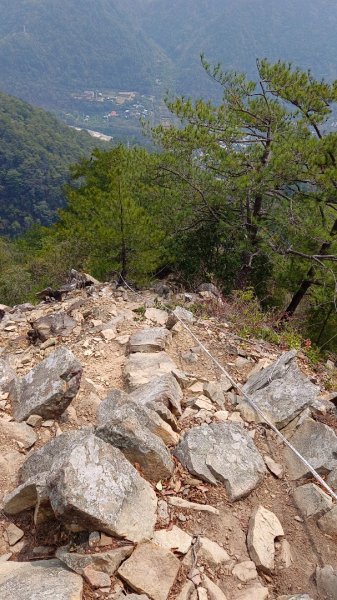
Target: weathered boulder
(263,528)
(39,580)
(118,406)
(49,388)
(140,368)
(97,488)
(53,325)
(328,523)
(317,443)
(214,391)
(311,500)
(21,433)
(281,391)
(326,580)
(222,452)
(153,339)
(150,570)
(125,427)
(32,493)
(212,553)
(107,562)
(163,389)
(42,460)
(8,378)
(179,313)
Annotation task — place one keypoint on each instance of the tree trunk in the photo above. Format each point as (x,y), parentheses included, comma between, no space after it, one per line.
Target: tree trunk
(307,282)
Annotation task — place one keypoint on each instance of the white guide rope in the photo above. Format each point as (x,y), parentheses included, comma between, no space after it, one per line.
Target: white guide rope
(250,402)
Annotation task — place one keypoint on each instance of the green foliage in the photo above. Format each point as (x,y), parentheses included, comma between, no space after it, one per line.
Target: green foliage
(35,154)
(106,223)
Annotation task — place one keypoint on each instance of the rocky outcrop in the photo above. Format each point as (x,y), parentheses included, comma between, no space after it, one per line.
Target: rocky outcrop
(49,388)
(141,368)
(53,325)
(223,453)
(154,339)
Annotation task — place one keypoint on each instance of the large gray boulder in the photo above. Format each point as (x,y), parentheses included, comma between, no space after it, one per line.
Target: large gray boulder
(326,580)
(39,580)
(48,389)
(98,489)
(222,452)
(45,458)
(140,368)
(53,325)
(153,339)
(163,389)
(8,378)
(281,391)
(118,406)
(126,428)
(317,443)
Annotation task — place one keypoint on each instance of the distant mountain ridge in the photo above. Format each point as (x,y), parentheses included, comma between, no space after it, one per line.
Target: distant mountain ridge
(49,48)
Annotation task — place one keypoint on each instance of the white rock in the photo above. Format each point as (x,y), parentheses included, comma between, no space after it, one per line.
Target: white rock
(253,592)
(274,467)
(263,528)
(214,592)
(212,553)
(245,571)
(174,539)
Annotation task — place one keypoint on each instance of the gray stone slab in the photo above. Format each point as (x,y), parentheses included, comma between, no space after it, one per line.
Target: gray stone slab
(39,580)
(48,389)
(281,391)
(311,500)
(164,389)
(153,339)
(222,452)
(317,443)
(140,368)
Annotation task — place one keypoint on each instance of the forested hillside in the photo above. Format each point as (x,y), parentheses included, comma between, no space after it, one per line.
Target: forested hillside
(48,49)
(35,153)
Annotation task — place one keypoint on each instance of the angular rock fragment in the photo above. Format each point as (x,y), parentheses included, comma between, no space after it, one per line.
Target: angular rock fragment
(222,452)
(117,407)
(186,591)
(311,500)
(157,316)
(245,571)
(263,528)
(97,488)
(274,467)
(281,391)
(126,428)
(31,493)
(253,592)
(317,443)
(17,432)
(326,580)
(153,339)
(107,562)
(212,553)
(55,324)
(179,313)
(174,539)
(213,391)
(49,388)
(39,580)
(328,523)
(96,579)
(8,378)
(163,389)
(141,368)
(151,570)
(42,460)
(182,503)
(213,590)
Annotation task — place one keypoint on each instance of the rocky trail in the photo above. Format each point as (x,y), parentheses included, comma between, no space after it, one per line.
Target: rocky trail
(131,467)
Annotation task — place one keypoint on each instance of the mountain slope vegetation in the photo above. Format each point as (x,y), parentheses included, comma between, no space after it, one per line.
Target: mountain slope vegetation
(49,49)
(35,153)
